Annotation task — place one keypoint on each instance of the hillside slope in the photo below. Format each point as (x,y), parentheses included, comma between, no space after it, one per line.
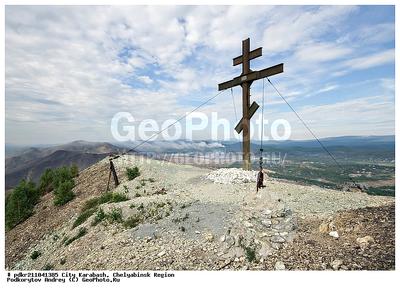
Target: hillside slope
(177,219)
(34,161)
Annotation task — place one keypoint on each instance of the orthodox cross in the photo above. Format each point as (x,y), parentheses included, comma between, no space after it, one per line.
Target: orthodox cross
(245,80)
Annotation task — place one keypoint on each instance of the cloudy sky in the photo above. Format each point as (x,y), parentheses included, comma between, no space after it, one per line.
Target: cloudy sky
(69,70)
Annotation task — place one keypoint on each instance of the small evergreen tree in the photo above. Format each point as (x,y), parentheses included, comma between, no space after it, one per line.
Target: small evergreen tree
(46,181)
(63,193)
(20,203)
(74,170)
(60,175)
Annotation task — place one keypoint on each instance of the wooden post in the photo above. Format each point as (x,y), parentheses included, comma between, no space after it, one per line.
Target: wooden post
(112,168)
(246,126)
(246,105)
(114,173)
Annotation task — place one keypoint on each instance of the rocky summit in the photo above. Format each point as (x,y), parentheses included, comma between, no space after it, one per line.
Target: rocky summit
(181,217)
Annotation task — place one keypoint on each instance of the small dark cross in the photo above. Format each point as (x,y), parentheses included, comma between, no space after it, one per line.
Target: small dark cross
(245,80)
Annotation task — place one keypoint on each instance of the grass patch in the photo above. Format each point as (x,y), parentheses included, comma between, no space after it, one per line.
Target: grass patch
(91,206)
(81,233)
(48,267)
(83,217)
(99,217)
(132,222)
(250,254)
(153,212)
(35,255)
(181,219)
(108,197)
(161,191)
(55,237)
(382,190)
(132,172)
(115,215)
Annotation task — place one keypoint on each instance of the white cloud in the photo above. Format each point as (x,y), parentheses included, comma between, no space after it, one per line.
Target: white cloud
(321,52)
(327,88)
(294,26)
(366,115)
(372,60)
(69,69)
(146,80)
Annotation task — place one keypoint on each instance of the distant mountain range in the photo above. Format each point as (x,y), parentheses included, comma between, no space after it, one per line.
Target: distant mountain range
(32,162)
(335,143)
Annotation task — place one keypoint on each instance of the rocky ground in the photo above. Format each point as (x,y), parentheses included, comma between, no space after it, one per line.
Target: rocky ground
(182,217)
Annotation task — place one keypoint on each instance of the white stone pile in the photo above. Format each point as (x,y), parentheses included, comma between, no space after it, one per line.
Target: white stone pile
(232,175)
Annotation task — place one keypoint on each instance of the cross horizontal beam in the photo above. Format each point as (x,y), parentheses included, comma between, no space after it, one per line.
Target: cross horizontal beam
(252,76)
(253,54)
(253,108)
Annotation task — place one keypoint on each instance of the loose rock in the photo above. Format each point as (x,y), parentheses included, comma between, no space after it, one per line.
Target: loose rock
(280,266)
(334,234)
(336,264)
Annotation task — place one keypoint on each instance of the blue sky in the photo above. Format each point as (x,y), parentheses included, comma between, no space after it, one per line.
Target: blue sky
(70,69)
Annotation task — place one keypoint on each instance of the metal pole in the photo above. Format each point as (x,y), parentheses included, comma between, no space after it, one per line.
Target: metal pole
(246,126)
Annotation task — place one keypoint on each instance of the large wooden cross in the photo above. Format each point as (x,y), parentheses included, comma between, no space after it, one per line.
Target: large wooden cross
(245,80)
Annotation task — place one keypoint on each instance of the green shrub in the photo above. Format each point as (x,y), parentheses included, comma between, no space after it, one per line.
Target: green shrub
(91,203)
(118,197)
(83,217)
(20,203)
(115,215)
(61,175)
(35,255)
(250,254)
(99,217)
(61,180)
(63,261)
(108,197)
(132,221)
(132,173)
(81,233)
(63,192)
